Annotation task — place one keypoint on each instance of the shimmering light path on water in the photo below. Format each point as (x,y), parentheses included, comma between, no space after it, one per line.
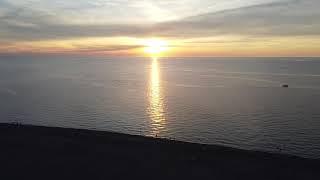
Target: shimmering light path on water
(156,108)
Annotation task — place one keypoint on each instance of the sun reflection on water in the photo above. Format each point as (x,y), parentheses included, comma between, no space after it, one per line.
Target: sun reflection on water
(156,105)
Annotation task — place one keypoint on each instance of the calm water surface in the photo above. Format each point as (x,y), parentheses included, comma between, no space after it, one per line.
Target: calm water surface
(235,102)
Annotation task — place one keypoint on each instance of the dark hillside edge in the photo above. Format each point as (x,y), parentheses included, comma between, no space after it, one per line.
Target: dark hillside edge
(33,152)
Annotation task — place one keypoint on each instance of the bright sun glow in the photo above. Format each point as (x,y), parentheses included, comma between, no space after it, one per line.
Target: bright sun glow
(155,47)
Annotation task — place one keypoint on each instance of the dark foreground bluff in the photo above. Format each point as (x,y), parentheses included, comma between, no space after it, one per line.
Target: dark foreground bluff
(28,152)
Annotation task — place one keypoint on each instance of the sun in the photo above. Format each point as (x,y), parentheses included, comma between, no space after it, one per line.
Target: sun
(155,47)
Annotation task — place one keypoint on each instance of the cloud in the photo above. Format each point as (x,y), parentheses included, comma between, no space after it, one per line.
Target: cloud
(280,18)
(24,32)
(289,18)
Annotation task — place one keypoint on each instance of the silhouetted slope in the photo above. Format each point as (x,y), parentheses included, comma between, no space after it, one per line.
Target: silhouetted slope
(30,152)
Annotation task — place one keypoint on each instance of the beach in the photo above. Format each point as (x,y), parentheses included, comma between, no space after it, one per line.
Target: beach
(34,152)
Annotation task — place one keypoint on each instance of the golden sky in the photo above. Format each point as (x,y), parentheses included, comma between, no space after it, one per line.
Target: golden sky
(166,28)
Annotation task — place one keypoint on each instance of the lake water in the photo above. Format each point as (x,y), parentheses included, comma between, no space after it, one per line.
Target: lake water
(236,102)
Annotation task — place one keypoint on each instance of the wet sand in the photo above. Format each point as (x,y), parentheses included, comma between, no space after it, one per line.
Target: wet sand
(31,152)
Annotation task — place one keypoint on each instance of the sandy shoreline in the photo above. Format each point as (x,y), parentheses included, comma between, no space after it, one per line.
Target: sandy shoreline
(32,152)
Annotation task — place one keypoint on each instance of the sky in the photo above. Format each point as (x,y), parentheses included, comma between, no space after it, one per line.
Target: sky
(189,27)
